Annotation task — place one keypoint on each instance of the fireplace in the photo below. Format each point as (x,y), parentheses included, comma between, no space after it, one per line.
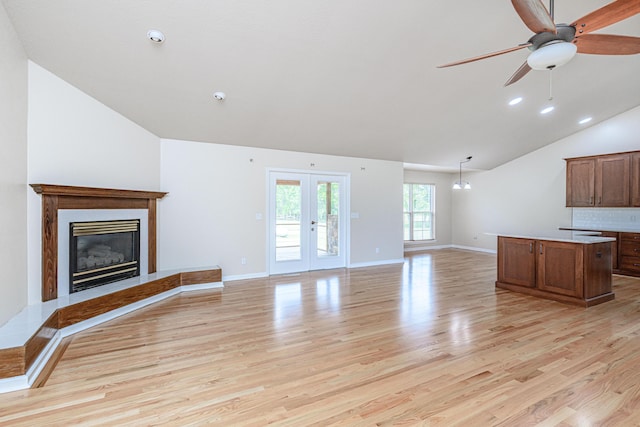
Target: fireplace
(102,252)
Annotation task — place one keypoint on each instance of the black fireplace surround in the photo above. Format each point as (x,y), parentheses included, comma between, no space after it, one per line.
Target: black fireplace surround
(102,252)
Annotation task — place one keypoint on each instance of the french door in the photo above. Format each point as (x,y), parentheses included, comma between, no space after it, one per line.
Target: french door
(307,222)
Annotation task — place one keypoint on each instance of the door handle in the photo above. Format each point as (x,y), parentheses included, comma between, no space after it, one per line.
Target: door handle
(313,222)
(540,248)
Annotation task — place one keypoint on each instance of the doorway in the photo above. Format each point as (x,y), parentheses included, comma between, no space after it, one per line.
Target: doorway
(307,222)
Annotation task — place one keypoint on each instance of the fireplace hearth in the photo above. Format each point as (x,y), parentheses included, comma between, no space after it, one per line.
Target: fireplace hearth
(102,252)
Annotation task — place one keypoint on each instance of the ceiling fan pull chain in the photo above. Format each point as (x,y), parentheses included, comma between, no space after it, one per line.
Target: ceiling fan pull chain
(550,84)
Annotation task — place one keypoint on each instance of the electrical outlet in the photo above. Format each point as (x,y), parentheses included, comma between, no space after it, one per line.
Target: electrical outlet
(633,218)
(243,261)
(377,250)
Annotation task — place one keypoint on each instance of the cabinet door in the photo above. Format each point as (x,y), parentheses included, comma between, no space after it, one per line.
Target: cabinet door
(635,179)
(612,180)
(516,261)
(614,247)
(580,182)
(560,268)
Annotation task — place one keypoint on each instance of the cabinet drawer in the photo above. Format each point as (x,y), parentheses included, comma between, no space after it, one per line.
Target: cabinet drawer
(630,248)
(629,263)
(632,237)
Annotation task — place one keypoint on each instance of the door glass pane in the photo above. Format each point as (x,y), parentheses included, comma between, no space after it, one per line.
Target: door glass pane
(328,230)
(288,211)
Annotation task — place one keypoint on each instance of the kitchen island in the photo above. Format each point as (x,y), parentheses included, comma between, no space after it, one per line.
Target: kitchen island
(570,267)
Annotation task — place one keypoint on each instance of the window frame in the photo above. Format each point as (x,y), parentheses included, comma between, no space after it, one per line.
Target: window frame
(412,213)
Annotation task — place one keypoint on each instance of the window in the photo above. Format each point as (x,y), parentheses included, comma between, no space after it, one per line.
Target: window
(419,211)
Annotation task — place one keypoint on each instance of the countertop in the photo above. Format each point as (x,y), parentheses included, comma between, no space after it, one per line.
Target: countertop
(582,237)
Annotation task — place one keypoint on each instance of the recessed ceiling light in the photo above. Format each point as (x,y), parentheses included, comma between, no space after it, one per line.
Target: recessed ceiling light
(585,120)
(515,101)
(155,36)
(547,110)
(220,96)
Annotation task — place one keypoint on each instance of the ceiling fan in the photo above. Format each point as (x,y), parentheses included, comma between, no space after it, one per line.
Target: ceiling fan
(554,45)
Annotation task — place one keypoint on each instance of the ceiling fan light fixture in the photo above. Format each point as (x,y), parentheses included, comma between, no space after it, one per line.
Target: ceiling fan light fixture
(552,55)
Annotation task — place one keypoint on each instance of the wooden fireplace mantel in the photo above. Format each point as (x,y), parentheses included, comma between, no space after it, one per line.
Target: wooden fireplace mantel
(55,197)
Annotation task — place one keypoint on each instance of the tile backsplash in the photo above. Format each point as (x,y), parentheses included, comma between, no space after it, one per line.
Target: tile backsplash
(607,218)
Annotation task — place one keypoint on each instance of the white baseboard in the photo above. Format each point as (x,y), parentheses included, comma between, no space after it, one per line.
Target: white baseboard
(245,276)
(472,248)
(375,263)
(426,248)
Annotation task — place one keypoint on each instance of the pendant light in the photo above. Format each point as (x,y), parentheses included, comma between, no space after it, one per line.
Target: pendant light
(460,184)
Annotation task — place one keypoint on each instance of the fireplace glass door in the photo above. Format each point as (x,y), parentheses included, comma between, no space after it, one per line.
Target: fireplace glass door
(102,252)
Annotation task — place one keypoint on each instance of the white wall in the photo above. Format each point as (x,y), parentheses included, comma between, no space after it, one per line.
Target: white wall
(13,171)
(443,183)
(527,195)
(75,140)
(215,192)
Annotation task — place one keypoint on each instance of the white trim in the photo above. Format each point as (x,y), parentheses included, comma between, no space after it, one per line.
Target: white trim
(415,248)
(201,286)
(376,263)
(245,276)
(472,248)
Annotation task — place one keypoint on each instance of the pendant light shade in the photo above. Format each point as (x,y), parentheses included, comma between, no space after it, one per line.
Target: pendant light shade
(460,184)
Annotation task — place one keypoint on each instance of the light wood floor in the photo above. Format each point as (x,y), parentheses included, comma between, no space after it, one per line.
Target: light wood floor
(428,343)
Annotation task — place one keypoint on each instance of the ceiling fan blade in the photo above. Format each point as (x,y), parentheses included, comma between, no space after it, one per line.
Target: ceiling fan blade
(606,15)
(534,15)
(520,73)
(487,55)
(607,44)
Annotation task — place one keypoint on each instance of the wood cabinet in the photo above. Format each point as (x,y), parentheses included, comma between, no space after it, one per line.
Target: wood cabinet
(581,175)
(603,181)
(635,179)
(576,273)
(517,261)
(614,247)
(630,254)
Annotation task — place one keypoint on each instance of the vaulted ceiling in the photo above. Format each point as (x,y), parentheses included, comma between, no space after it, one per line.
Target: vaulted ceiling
(350,78)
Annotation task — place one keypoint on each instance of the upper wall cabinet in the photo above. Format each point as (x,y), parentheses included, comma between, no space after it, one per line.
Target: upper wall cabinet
(635,179)
(611,180)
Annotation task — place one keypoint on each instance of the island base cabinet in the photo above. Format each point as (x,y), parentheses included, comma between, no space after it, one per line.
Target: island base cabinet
(517,262)
(568,272)
(560,268)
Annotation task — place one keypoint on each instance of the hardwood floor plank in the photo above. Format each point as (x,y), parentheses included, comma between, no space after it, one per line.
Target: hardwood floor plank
(430,342)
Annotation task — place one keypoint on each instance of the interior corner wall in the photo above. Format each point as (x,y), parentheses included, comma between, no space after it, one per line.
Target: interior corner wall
(215,192)
(443,183)
(527,195)
(73,139)
(13,171)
